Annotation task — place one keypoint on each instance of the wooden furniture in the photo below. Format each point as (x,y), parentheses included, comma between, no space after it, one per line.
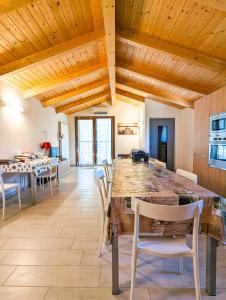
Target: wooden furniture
(5,187)
(100,180)
(166,247)
(188,175)
(209,177)
(161,186)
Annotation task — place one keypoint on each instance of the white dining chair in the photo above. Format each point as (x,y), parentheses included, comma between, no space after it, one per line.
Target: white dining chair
(49,175)
(189,175)
(100,180)
(107,174)
(166,247)
(5,187)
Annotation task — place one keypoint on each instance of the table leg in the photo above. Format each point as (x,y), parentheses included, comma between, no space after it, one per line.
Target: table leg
(58,180)
(33,188)
(211,265)
(115,263)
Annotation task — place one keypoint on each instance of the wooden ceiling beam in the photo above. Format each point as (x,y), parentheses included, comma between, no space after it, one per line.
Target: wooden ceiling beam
(49,85)
(109,26)
(178,52)
(86,100)
(52,52)
(142,71)
(78,91)
(180,103)
(85,106)
(129,95)
(9,5)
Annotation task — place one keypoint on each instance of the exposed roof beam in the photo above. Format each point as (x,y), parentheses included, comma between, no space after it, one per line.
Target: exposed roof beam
(9,5)
(85,106)
(49,85)
(190,56)
(86,100)
(109,26)
(142,71)
(80,90)
(180,103)
(52,52)
(129,95)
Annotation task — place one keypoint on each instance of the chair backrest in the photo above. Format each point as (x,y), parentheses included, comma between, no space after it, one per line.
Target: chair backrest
(1,179)
(100,180)
(106,170)
(53,166)
(191,176)
(169,213)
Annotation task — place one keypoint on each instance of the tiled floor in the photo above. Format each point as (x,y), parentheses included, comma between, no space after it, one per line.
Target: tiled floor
(49,251)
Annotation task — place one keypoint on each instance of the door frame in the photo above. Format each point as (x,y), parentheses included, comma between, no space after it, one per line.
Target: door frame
(93,118)
(153,125)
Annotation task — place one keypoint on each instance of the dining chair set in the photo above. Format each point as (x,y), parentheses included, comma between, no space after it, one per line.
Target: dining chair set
(44,176)
(165,247)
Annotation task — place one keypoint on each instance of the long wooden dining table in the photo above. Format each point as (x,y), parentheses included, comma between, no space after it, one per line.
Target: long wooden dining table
(153,183)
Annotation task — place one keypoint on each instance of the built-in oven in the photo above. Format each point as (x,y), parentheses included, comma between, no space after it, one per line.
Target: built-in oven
(217,141)
(218,123)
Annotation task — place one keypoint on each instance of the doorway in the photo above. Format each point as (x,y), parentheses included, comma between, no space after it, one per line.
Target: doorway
(94,140)
(162,140)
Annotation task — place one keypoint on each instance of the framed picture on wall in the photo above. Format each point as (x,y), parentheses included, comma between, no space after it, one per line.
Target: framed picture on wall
(127,128)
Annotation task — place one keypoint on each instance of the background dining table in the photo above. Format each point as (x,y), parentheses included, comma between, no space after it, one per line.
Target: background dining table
(153,183)
(32,168)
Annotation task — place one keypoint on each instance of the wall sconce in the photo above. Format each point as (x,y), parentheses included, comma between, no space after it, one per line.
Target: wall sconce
(2,103)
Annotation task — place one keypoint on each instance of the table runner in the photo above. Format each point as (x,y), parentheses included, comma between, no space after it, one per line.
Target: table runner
(155,184)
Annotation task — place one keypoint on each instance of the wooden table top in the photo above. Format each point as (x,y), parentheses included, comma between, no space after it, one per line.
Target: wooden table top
(159,185)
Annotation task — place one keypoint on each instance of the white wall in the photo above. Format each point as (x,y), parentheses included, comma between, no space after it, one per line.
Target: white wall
(124,113)
(184,123)
(24,131)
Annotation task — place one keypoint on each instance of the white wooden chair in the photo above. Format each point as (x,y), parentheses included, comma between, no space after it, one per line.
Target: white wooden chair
(100,180)
(49,175)
(107,174)
(5,187)
(191,176)
(166,247)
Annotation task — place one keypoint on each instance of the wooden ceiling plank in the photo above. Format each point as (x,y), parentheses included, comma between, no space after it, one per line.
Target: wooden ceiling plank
(144,41)
(86,100)
(130,95)
(157,97)
(78,91)
(216,4)
(109,26)
(49,85)
(9,5)
(52,52)
(142,71)
(85,106)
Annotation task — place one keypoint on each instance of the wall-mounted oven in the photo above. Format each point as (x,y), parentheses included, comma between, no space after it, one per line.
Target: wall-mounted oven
(217,141)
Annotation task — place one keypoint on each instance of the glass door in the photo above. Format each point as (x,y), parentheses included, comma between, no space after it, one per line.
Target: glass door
(94,139)
(85,153)
(103,140)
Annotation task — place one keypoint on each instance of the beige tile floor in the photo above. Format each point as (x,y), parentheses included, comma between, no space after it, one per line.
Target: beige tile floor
(49,251)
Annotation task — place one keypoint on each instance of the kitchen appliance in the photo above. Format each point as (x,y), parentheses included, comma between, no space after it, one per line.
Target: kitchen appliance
(218,123)
(217,141)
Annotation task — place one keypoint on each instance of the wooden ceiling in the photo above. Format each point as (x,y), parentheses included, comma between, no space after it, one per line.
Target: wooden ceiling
(73,54)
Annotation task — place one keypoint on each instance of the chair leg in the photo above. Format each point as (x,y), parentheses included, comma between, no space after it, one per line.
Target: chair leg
(133,274)
(196,277)
(51,187)
(101,234)
(3,205)
(181,265)
(19,198)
